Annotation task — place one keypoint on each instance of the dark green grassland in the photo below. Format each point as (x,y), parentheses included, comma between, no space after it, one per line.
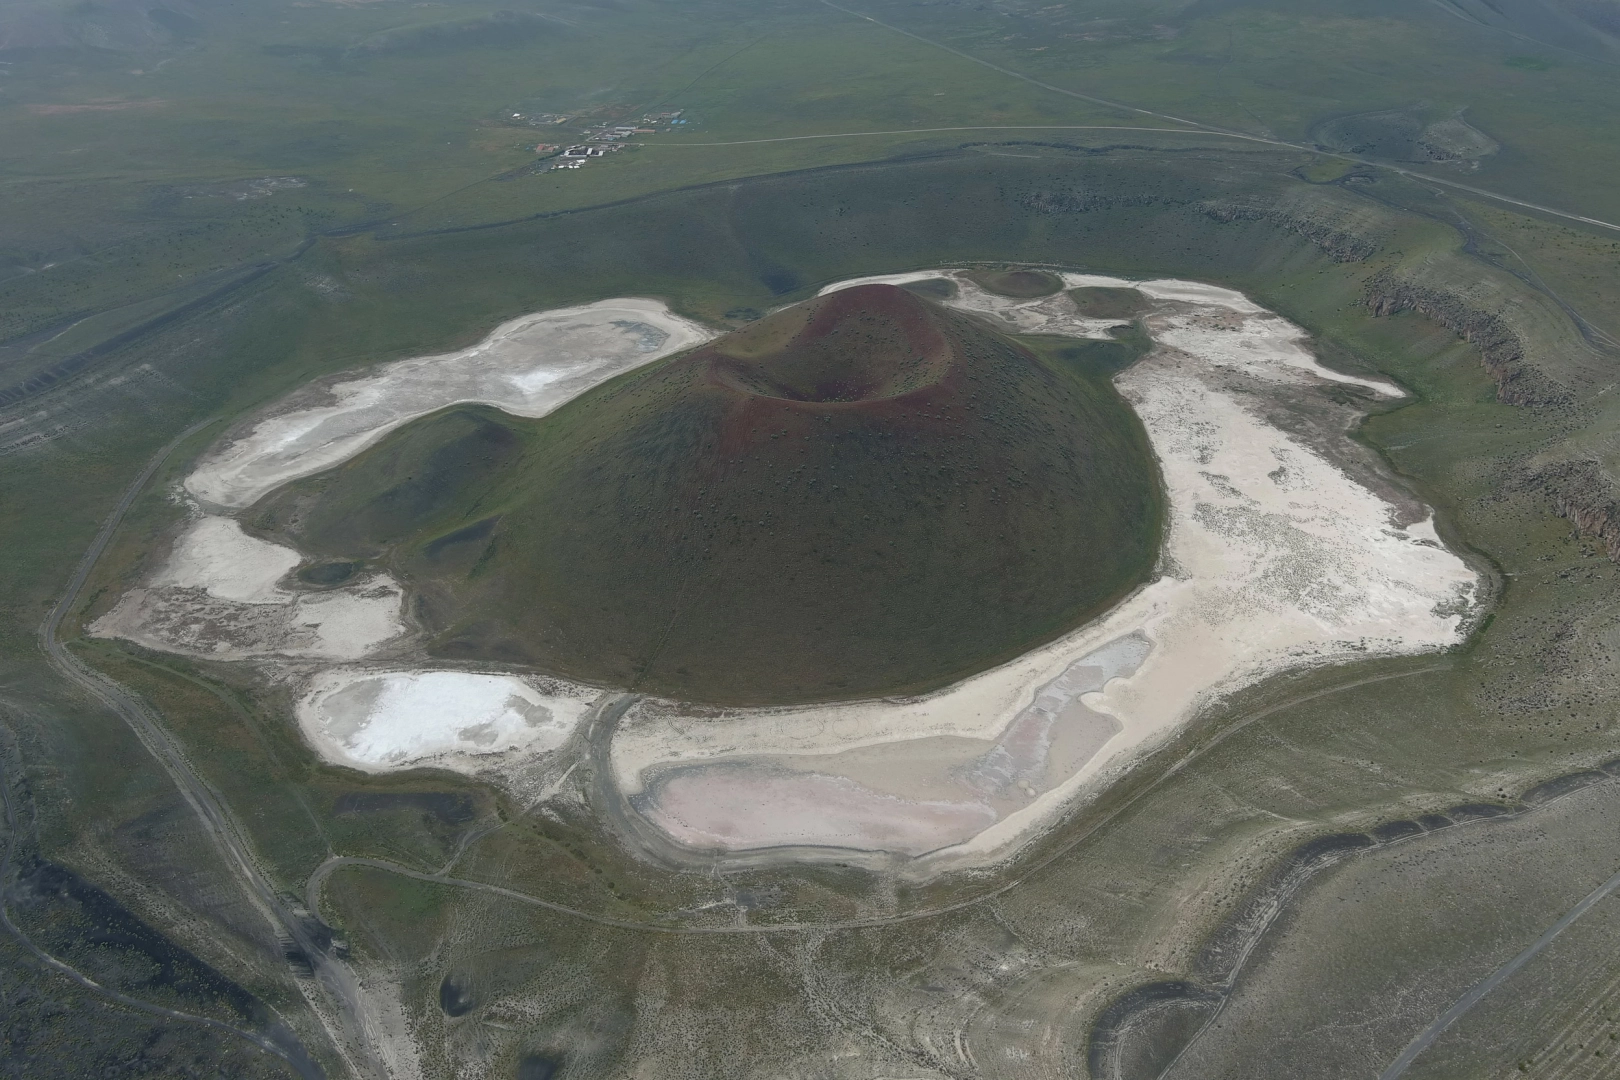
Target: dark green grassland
(183,286)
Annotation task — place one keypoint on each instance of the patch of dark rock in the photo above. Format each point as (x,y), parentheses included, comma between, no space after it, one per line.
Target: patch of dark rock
(1501,350)
(454,998)
(1431,822)
(71,918)
(1145,1028)
(1563,785)
(1338,244)
(297,959)
(1225,950)
(1076,199)
(1582,494)
(1324,846)
(538,1067)
(328,573)
(1477,811)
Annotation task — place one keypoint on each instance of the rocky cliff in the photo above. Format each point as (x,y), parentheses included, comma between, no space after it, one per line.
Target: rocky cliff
(1582,493)
(1501,349)
(1341,245)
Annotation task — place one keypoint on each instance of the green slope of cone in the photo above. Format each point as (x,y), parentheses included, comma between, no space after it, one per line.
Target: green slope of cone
(864,494)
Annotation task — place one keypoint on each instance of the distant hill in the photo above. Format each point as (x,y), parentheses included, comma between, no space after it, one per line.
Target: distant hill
(114,25)
(863,494)
(496,28)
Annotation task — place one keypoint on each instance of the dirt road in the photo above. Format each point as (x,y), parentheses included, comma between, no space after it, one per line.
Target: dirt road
(340,1012)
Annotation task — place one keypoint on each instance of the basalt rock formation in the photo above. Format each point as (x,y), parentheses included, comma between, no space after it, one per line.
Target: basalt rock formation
(1500,348)
(1583,495)
(1340,245)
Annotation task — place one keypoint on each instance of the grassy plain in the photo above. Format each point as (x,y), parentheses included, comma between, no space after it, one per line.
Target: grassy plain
(128,176)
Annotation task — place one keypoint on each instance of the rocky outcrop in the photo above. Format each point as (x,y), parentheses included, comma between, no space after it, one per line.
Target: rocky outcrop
(1579,490)
(1082,200)
(1501,349)
(1584,495)
(1340,244)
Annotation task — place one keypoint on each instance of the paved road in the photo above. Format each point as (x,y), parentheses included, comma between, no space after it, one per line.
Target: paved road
(1496,978)
(338,981)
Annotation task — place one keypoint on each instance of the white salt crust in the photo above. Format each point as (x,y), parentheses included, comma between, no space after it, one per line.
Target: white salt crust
(221,594)
(380,720)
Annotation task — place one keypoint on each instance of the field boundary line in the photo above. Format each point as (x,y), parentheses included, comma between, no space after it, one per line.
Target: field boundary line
(937,130)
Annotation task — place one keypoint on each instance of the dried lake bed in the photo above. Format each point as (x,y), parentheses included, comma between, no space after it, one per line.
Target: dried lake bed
(1286,546)
(374,720)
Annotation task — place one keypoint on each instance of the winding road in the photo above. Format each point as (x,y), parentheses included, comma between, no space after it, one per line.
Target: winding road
(339,982)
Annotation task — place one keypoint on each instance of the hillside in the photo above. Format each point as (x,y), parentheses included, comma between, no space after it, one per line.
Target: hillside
(862,494)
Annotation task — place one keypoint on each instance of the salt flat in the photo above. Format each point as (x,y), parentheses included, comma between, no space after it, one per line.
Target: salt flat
(528,367)
(379,720)
(223,594)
